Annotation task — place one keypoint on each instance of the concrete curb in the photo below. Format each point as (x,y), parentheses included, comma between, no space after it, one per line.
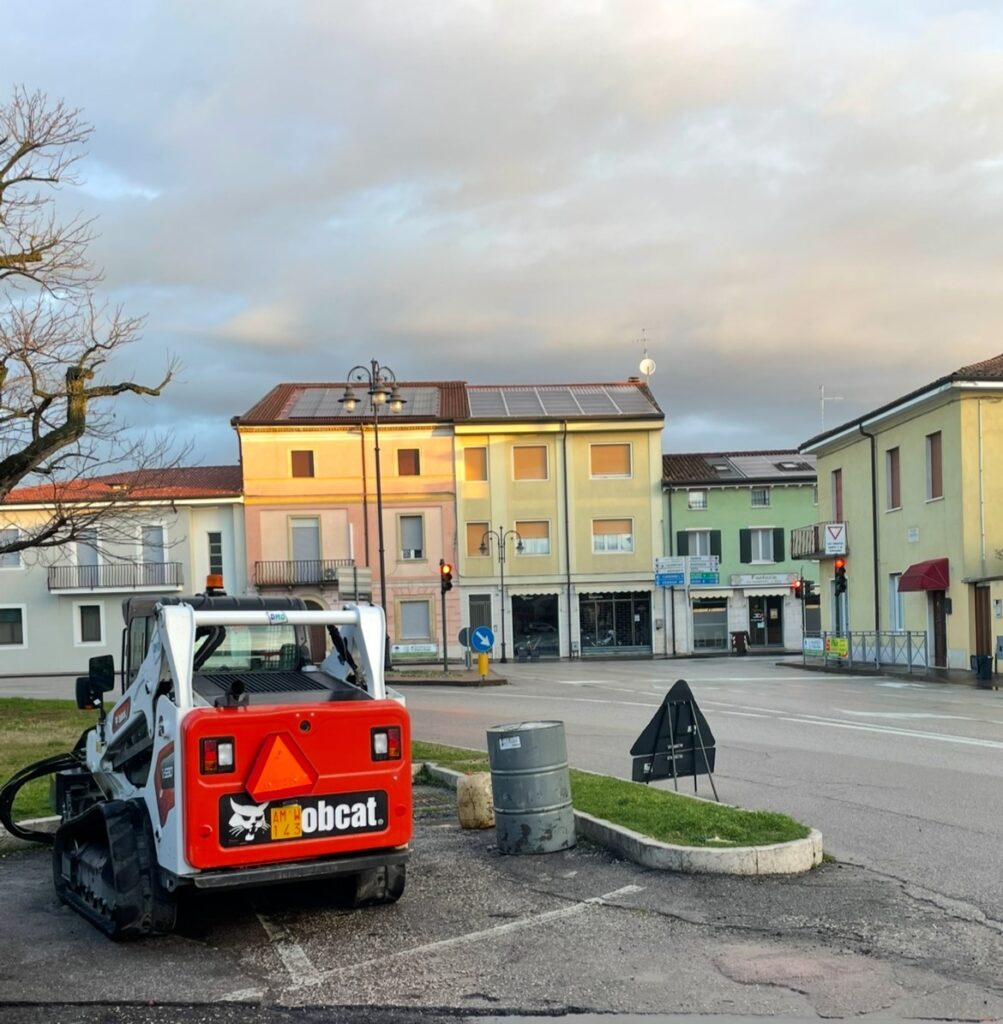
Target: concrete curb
(9,843)
(793,858)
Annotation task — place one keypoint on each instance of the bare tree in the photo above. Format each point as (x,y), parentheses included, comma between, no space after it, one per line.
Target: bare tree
(57,412)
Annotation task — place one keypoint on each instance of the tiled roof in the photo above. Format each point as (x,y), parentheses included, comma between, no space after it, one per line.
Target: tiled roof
(987,370)
(178,483)
(317,402)
(735,467)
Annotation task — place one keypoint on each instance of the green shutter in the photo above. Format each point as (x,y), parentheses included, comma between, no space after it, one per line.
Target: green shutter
(745,546)
(715,542)
(778,544)
(682,543)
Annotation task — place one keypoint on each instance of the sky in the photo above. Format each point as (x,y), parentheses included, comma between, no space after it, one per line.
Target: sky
(769,197)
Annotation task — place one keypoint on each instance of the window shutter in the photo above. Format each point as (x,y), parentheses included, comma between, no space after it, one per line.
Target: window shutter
(715,542)
(682,543)
(778,544)
(745,546)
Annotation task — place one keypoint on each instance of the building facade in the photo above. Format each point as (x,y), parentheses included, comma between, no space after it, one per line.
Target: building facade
(915,482)
(739,507)
(61,606)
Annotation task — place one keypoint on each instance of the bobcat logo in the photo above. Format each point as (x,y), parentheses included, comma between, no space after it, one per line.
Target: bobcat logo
(247,820)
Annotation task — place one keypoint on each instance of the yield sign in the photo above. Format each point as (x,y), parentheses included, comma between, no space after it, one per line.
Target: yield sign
(835,538)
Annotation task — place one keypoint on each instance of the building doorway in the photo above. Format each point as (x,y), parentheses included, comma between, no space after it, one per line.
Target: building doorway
(938,615)
(983,628)
(535,630)
(766,621)
(710,624)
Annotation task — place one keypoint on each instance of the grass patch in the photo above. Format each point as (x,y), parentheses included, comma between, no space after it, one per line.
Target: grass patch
(30,730)
(661,814)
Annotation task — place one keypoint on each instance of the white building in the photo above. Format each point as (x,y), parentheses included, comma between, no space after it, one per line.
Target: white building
(61,606)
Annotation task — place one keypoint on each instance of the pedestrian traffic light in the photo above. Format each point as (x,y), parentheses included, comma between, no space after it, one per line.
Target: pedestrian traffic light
(445,575)
(797,590)
(840,571)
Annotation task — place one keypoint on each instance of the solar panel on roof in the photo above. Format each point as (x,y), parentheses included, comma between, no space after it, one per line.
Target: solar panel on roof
(326,404)
(486,403)
(524,403)
(596,403)
(560,402)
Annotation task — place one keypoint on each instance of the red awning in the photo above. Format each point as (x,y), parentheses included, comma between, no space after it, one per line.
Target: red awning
(929,575)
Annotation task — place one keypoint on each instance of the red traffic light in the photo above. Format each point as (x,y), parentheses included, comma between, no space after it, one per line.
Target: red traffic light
(445,575)
(839,563)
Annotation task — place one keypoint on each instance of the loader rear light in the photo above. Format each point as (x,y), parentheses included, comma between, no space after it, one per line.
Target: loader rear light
(387,743)
(216,755)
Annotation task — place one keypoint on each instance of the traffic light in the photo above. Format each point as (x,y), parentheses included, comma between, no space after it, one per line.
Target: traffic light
(807,589)
(839,566)
(445,575)
(797,590)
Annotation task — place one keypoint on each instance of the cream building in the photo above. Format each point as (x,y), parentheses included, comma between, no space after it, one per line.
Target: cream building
(916,482)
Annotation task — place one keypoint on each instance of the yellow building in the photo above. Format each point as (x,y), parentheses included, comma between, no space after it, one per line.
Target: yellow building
(916,482)
(559,519)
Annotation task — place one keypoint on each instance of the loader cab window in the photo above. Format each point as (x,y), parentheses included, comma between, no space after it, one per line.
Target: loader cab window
(247,649)
(138,643)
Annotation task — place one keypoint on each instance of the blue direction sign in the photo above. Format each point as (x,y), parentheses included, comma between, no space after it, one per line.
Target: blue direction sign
(481,639)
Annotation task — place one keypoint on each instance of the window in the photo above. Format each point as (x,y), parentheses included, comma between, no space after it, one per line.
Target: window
(529,462)
(837,495)
(764,544)
(12,626)
(895,618)
(612,536)
(699,542)
(415,620)
(9,559)
(475,535)
(87,557)
(408,462)
(760,497)
(893,490)
(412,537)
(480,610)
(475,463)
(302,463)
(934,467)
(304,542)
(696,499)
(89,624)
(610,460)
(535,537)
(814,494)
(153,568)
(216,553)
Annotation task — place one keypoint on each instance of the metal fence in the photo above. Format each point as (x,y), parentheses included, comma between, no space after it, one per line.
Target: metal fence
(903,649)
(292,572)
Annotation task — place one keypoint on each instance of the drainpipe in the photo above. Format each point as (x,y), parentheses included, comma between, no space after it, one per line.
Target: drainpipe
(672,551)
(567,524)
(874,525)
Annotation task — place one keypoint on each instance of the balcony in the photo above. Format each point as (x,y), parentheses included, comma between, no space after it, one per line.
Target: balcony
(340,573)
(820,540)
(127,576)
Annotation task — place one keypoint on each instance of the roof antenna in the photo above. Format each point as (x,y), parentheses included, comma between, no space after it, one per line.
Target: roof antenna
(822,399)
(647,366)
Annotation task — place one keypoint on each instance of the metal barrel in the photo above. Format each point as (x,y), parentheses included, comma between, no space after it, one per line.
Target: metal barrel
(531,787)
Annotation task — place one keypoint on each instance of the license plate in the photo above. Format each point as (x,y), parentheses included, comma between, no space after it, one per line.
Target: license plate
(287,822)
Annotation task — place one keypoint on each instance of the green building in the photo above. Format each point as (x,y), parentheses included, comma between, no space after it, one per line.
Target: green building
(738,508)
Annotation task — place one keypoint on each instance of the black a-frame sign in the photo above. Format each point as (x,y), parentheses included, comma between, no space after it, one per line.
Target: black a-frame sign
(676,742)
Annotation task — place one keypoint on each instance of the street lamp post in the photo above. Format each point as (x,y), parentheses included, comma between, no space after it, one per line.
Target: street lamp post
(499,536)
(381,386)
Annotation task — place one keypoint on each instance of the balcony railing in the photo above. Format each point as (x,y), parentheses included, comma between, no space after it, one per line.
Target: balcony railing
(810,541)
(116,576)
(324,572)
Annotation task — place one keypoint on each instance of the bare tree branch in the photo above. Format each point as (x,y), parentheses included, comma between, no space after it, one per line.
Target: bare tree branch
(57,413)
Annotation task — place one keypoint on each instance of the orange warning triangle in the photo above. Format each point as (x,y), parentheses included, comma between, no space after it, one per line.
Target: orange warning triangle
(281,770)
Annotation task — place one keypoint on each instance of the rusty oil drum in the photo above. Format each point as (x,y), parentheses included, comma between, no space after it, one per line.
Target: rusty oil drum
(531,787)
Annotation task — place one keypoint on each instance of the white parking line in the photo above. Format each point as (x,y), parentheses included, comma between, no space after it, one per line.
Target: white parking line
(487,933)
(301,971)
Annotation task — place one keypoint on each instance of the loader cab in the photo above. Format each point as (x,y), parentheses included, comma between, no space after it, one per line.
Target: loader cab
(140,615)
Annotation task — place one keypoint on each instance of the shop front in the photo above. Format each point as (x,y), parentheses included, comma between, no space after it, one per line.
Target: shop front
(535,627)
(615,624)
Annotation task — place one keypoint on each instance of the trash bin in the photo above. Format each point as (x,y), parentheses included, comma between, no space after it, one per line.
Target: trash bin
(739,642)
(531,786)
(982,666)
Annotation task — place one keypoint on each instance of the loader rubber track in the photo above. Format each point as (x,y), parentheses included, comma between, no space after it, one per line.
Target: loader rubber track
(104,866)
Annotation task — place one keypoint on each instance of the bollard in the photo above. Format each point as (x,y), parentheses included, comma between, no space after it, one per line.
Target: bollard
(482,665)
(531,787)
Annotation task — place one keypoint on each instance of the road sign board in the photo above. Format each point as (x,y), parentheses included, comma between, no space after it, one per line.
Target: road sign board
(705,570)
(835,538)
(482,639)
(670,572)
(464,637)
